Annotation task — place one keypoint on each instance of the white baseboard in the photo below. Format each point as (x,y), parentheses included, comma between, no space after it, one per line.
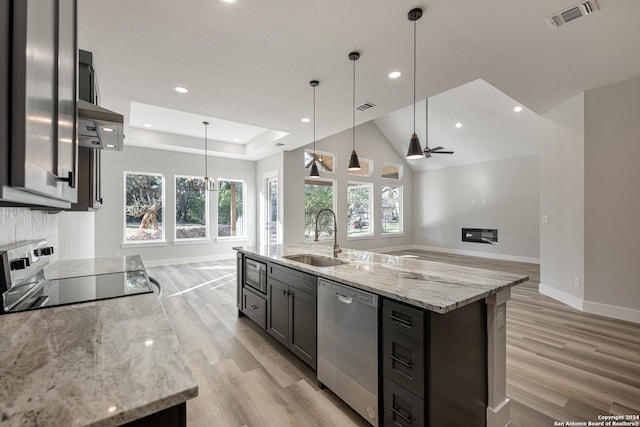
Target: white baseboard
(175,261)
(563,297)
(504,257)
(616,312)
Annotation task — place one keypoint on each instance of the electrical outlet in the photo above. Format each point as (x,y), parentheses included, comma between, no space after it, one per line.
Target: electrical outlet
(545,219)
(116,253)
(576,282)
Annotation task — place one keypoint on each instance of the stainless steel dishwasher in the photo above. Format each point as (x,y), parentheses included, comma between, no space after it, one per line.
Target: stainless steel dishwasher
(348,346)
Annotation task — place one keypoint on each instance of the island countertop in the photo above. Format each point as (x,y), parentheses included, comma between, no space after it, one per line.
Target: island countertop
(100,363)
(435,286)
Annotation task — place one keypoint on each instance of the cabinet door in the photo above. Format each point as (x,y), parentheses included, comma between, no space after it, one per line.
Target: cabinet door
(303,326)
(278,310)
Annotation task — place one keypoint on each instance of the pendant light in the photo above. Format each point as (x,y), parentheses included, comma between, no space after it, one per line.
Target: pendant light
(415,150)
(354,163)
(209,183)
(314,167)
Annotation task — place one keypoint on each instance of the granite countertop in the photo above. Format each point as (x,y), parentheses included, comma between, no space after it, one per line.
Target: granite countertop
(435,286)
(101,363)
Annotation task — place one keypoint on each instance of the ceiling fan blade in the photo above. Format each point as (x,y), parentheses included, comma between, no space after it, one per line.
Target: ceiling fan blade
(442,152)
(308,163)
(435,149)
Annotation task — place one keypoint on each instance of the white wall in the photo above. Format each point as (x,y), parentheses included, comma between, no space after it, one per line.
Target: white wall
(501,194)
(562,199)
(370,144)
(612,202)
(109,219)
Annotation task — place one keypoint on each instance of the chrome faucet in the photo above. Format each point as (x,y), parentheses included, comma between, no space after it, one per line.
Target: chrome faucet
(336,248)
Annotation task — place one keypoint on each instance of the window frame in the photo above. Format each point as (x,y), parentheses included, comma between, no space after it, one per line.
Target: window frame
(244,210)
(400,171)
(139,243)
(371,213)
(400,213)
(183,240)
(334,186)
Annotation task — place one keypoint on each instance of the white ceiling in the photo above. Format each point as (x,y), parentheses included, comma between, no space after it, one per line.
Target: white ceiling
(251,62)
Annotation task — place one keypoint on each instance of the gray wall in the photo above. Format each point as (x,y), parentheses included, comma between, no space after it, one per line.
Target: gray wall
(612,202)
(562,199)
(370,144)
(501,194)
(109,219)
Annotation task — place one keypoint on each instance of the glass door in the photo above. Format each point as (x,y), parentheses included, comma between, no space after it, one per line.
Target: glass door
(271,236)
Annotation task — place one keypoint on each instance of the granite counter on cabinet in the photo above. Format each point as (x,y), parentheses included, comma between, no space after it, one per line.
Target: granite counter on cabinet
(434,286)
(99,363)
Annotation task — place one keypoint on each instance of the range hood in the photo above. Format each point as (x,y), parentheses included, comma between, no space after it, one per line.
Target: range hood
(99,128)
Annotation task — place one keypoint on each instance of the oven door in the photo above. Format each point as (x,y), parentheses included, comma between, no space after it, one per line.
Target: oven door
(255,275)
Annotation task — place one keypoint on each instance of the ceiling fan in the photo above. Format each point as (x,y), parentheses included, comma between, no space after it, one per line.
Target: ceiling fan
(429,151)
(308,160)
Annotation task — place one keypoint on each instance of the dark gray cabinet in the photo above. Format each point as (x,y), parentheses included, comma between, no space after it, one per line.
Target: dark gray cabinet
(434,366)
(291,311)
(38,57)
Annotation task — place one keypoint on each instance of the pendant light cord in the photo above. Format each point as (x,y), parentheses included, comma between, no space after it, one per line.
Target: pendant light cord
(414,76)
(314,124)
(206,150)
(353,112)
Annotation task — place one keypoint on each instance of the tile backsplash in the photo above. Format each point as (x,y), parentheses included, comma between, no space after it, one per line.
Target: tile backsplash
(18,224)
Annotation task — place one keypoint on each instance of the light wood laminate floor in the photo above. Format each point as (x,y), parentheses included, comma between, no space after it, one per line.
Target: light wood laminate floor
(561,364)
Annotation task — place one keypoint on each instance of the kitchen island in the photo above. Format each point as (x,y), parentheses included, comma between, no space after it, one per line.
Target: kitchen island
(443,336)
(101,363)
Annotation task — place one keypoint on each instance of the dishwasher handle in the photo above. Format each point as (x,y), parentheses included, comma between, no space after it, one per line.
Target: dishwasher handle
(344,299)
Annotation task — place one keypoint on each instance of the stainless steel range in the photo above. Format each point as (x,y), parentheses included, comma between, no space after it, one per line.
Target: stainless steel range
(24,287)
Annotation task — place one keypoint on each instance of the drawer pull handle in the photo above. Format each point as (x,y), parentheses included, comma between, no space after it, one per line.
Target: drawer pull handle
(400,361)
(254,307)
(399,320)
(397,412)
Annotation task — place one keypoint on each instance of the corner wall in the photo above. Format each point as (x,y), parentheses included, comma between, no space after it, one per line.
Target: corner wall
(612,202)
(562,188)
(501,194)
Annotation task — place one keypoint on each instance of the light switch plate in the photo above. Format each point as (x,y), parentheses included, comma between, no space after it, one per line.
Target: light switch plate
(545,219)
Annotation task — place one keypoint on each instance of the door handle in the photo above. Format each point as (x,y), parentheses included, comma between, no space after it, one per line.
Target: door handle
(343,298)
(399,320)
(400,361)
(254,307)
(68,179)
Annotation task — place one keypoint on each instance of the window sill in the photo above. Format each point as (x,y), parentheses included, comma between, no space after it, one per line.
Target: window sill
(179,242)
(231,239)
(368,236)
(143,244)
(386,235)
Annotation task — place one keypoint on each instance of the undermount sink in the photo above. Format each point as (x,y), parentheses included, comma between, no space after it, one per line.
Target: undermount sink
(315,260)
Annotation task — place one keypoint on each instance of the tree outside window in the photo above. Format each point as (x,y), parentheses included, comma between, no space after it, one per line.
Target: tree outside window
(391,197)
(359,209)
(144,198)
(191,209)
(318,195)
(231,208)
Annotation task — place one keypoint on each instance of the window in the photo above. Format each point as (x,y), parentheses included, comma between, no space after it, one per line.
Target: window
(366,166)
(325,161)
(391,198)
(231,203)
(359,209)
(144,199)
(318,194)
(391,171)
(192,209)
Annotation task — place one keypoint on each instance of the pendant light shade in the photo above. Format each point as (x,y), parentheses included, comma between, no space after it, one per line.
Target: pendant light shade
(354,163)
(314,166)
(415,150)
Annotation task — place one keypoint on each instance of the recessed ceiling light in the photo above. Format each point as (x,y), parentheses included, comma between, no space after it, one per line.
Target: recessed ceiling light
(517,109)
(181,89)
(306,119)
(148,125)
(229,1)
(236,140)
(394,74)
(458,125)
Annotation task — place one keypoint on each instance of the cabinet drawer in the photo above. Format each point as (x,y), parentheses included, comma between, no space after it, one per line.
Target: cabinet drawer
(404,319)
(403,360)
(401,407)
(294,278)
(255,306)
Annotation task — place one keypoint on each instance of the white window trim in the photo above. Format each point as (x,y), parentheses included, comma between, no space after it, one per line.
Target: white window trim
(140,243)
(244,212)
(176,239)
(401,216)
(334,185)
(372,227)
(143,244)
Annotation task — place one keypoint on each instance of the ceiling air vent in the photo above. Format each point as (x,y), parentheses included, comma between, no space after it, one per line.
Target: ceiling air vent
(365,106)
(574,12)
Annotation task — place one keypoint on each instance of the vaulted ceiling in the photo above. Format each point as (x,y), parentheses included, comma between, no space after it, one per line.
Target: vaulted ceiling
(250,62)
